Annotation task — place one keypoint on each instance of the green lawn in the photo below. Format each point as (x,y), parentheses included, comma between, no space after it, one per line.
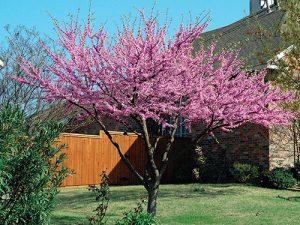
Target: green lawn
(181,204)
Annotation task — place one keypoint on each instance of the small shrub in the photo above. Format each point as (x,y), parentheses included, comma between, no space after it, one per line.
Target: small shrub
(279,178)
(137,217)
(102,197)
(243,172)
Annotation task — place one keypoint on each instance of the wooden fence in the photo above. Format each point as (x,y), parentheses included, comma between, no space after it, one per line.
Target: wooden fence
(89,155)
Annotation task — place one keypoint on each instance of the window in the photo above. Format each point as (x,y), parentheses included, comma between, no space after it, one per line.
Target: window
(266,3)
(181,130)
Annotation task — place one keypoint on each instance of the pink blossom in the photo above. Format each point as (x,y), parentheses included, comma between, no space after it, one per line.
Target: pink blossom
(142,74)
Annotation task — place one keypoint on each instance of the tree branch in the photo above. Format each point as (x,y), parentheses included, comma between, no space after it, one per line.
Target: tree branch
(166,153)
(121,154)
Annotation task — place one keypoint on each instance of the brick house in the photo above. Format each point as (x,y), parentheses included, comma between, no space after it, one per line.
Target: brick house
(250,143)
(257,37)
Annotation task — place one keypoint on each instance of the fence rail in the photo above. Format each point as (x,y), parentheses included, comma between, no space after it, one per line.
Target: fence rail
(89,155)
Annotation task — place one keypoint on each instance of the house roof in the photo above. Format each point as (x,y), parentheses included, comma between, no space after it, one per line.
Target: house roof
(252,35)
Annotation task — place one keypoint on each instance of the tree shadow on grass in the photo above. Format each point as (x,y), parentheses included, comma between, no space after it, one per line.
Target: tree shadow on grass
(67,220)
(292,198)
(214,193)
(76,200)
(73,201)
(88,197)
(202,190)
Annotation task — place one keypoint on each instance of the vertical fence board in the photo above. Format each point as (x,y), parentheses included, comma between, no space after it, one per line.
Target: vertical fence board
(89,155)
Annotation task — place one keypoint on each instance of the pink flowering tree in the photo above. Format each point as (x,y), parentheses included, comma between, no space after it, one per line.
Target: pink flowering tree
(140,75)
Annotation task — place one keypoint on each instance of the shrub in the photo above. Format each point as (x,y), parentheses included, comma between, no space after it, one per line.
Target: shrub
(280,178)
(31,168)
(243,172)
(137,217)
(102,197)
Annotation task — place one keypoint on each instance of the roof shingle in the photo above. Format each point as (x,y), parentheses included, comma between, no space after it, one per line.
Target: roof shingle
(253,35)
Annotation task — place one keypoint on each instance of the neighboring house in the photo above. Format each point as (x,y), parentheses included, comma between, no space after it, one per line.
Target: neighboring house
(250,143)
(258,38)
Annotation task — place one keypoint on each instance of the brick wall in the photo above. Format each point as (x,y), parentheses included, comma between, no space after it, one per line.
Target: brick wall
(247,144)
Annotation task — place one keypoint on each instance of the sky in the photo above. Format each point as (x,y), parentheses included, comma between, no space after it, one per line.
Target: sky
(38,13)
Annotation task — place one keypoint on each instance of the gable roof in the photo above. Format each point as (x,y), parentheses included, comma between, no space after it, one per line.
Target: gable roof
(247,35)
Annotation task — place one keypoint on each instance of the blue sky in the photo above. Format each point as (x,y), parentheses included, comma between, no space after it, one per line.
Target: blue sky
(36,13)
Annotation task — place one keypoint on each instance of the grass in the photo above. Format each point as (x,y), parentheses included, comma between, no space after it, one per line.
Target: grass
(189,204)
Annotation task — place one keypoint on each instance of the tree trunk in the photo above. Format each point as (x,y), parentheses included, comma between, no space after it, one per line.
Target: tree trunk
(152,197)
